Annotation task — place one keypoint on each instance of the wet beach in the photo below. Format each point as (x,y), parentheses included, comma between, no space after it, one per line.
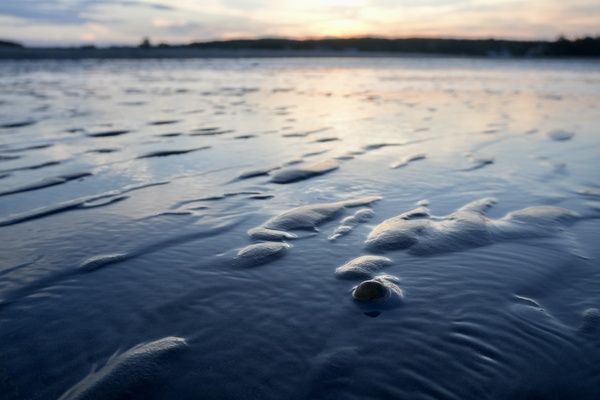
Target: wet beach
(299,228)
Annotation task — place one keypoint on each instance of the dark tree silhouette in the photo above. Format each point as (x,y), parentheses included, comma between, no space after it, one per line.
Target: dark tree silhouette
(584,47)
(8,43)
(145,44)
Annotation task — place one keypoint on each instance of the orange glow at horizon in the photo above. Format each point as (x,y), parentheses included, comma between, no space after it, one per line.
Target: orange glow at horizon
(339,29)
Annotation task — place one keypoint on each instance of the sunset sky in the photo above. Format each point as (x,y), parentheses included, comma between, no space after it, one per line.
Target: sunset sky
(105,22)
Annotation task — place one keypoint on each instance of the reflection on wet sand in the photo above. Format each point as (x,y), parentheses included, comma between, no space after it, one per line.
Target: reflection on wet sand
(170,224)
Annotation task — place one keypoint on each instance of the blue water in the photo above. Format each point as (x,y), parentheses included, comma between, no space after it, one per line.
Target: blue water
(127,190)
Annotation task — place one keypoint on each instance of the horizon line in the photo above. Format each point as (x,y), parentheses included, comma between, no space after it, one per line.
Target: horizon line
(304,39)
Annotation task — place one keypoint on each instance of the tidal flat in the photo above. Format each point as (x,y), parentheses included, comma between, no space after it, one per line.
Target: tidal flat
(319,228)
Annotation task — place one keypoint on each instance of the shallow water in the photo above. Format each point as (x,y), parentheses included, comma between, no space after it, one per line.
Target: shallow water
(172,229)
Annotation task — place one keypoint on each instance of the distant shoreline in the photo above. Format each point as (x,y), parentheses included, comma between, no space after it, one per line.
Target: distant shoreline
(358,47)
(134,53)
(183,53)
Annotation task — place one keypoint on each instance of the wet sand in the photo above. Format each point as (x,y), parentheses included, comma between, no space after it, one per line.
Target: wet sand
(302,228)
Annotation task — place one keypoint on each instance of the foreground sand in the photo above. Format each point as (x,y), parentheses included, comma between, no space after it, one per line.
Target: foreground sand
(319,228)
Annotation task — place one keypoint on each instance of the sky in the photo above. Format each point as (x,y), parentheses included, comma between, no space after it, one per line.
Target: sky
(116,22)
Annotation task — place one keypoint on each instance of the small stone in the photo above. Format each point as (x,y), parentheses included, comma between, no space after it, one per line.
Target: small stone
(370,290)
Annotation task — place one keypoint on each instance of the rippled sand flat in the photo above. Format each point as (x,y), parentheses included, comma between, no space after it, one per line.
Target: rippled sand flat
(299,229)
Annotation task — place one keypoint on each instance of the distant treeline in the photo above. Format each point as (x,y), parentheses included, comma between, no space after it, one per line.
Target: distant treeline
(584,47)
(562,47)
(6,43)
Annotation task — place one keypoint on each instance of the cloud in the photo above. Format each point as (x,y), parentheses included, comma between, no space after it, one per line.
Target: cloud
(172,23)
(417,4)
(65,11)
(155,6)
(58,12)
(244,4)
(181,21)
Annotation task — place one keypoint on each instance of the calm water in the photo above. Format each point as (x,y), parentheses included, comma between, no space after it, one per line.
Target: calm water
(156,244)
